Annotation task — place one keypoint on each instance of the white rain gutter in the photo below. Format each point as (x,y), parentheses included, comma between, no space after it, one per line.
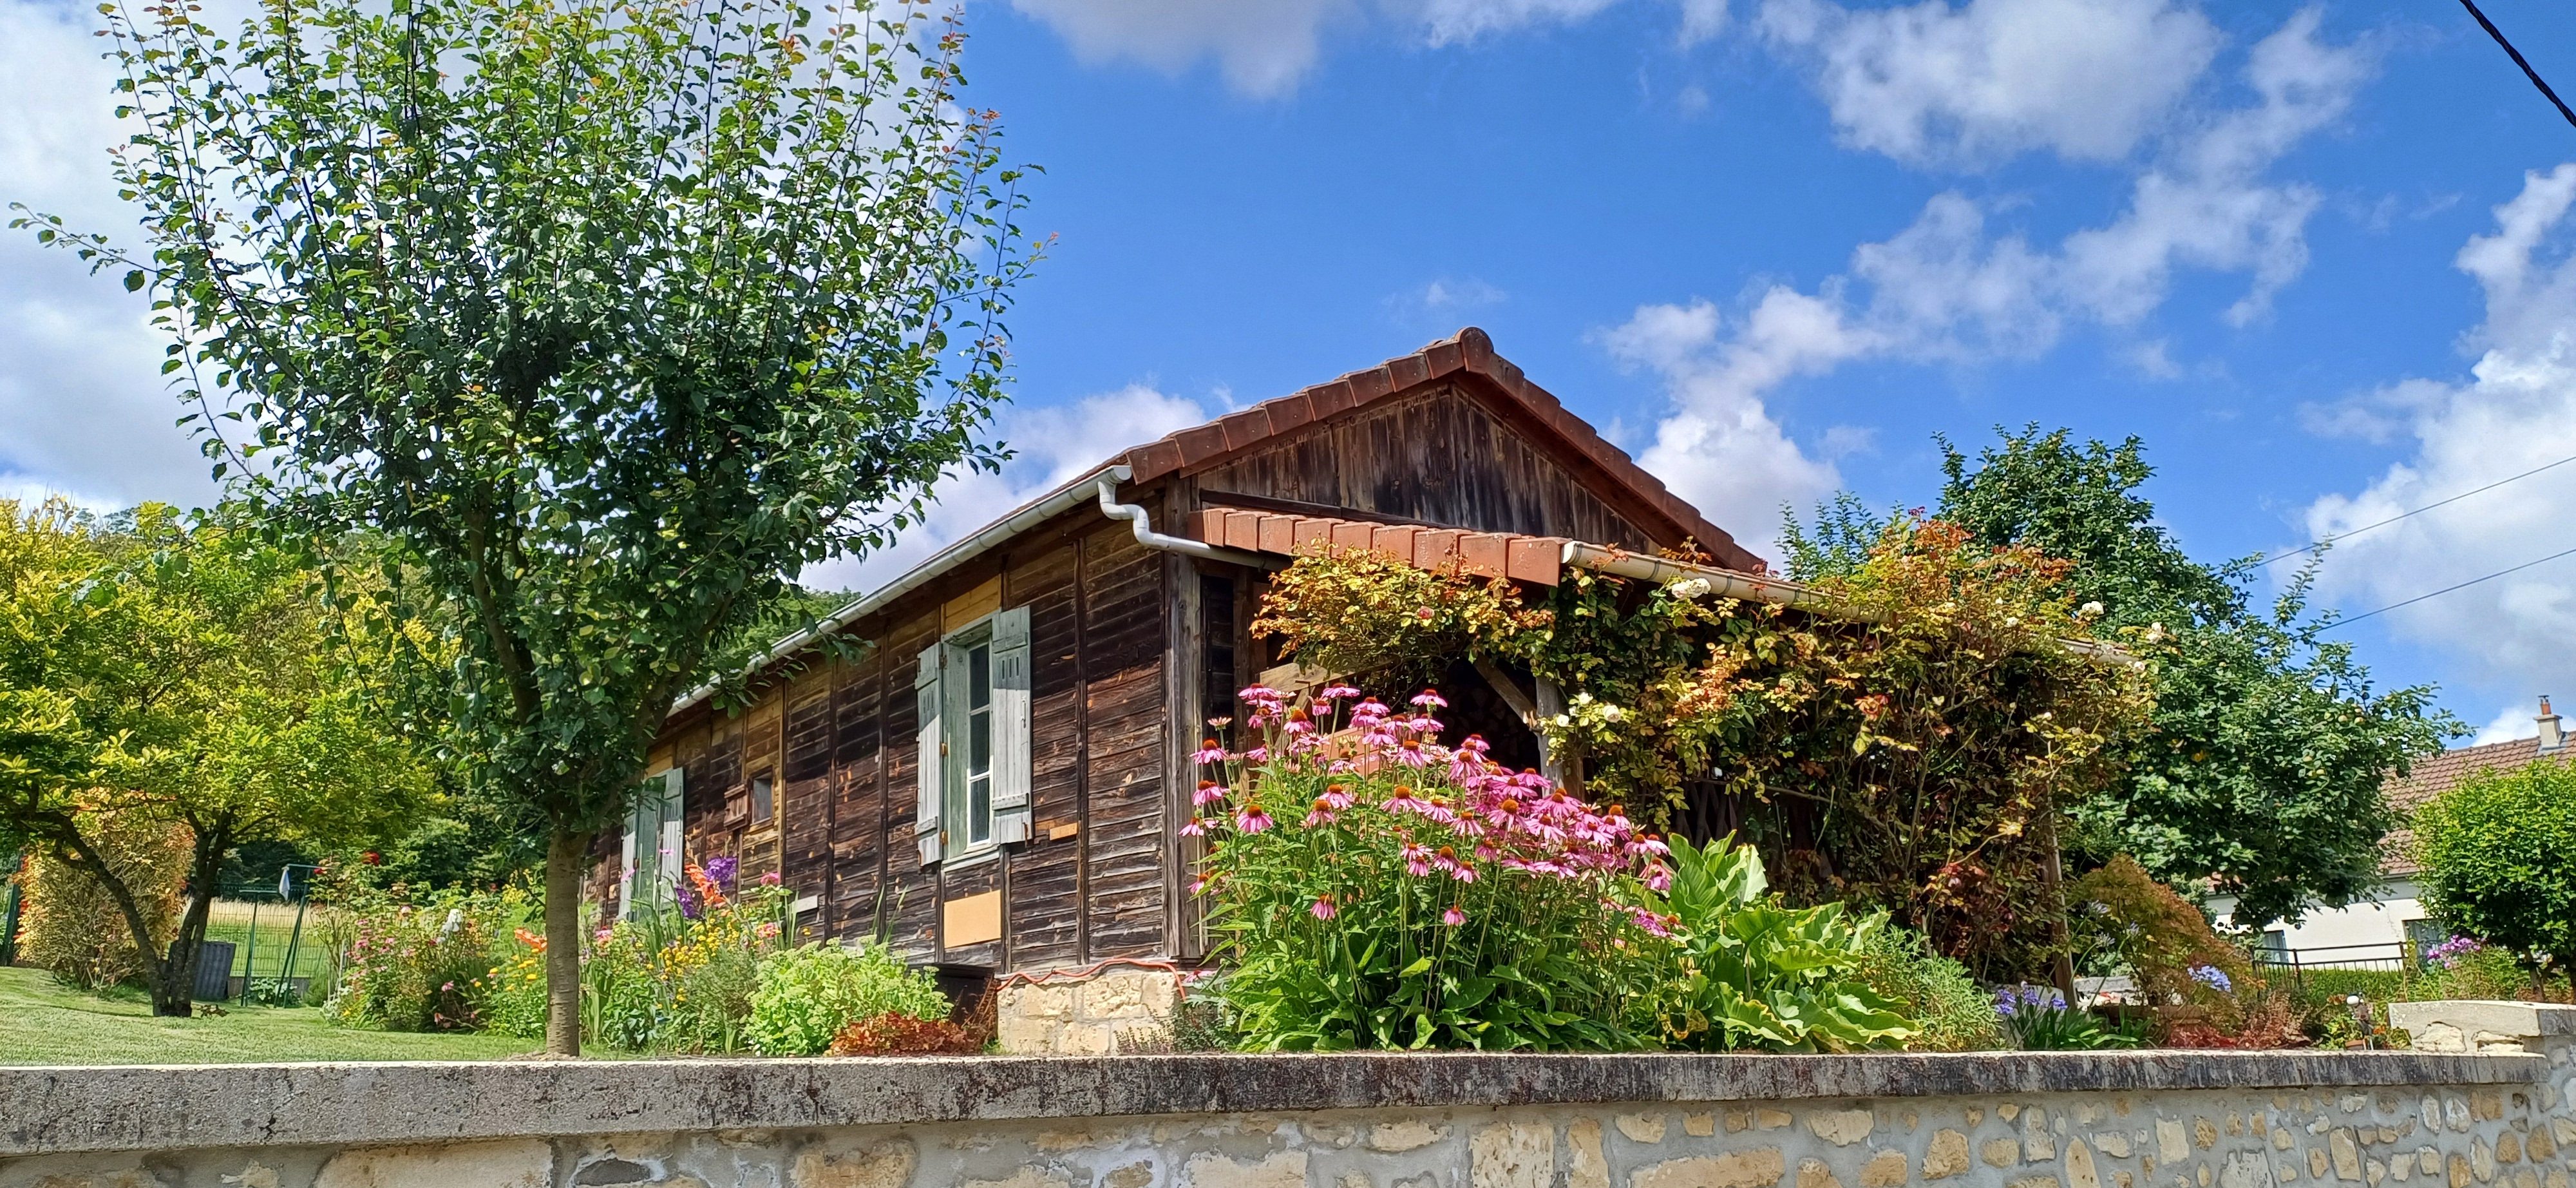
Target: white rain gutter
(1727,583)
(1145,535)
(1102,483)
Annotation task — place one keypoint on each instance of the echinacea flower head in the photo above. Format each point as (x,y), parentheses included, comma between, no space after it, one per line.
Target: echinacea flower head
(1453,917)
(1209,751)
(1323,908)
(1336,692)
(1251,819)
(1430,699)
(1209,792)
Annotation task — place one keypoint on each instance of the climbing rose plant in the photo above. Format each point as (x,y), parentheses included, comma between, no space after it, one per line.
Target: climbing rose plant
(1377,889)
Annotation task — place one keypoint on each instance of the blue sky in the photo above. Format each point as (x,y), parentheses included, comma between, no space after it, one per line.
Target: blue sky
(1770,247)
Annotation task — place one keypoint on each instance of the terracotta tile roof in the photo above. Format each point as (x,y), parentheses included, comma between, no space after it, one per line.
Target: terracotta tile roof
(2438,774)
(1534,559)
(1470,353)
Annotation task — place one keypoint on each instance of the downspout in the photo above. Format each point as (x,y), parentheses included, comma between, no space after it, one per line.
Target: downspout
(1143,520)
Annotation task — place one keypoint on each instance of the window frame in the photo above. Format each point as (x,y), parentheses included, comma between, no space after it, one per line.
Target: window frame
(957,819)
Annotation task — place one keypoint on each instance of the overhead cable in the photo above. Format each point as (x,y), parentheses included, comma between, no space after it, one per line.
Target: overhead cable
(2402,515)
(2516,54)
(2444,590)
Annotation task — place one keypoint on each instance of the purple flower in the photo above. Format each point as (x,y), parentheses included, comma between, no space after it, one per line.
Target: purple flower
(2212,977)
(721,869)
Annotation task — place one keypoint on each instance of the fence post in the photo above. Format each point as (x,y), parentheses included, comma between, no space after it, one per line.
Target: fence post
(9,907)
(250,957)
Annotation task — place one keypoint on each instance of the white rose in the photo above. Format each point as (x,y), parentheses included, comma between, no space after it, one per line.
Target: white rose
(1688,588)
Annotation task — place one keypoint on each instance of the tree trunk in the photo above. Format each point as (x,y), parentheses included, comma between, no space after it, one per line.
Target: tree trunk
(69,842)
(174,995)
(567,853)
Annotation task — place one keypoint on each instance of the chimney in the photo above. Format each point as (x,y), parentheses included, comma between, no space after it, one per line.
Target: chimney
(2552,739)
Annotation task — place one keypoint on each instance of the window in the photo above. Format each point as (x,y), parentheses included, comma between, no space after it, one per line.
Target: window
(649,850)
(763,797)
(979,744)
(972,741)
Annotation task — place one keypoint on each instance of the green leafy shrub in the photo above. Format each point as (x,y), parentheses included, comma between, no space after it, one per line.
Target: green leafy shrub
(1751,972)
(1952,1012)
(2499,857)
(678,979)
(1374,889)
(806,995)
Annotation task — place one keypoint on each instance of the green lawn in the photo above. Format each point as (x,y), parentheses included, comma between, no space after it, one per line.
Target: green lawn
(42,1022)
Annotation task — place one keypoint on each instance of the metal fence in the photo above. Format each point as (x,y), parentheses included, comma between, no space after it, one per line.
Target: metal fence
(2381,955)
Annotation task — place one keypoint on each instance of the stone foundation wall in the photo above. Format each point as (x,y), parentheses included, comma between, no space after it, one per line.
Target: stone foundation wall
(1119,1009)
(2091,1120)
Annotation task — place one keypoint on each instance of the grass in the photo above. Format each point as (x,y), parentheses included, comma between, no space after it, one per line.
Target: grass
(45,1022)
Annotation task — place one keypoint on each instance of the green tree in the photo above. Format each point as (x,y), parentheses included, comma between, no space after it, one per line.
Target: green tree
(604,317)
(2263,767)
(2499,857)
(155,671)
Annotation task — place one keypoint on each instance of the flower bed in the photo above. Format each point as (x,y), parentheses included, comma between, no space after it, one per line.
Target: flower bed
(1377,889)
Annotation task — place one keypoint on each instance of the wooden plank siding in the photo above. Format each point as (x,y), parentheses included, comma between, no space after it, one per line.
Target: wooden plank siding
(1130,650)
(1441,456)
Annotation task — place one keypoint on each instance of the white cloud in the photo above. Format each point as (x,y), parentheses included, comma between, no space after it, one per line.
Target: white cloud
(1720,449)
(1948,289)
(1444,22)
(2512,414)
(1264,48)
(2515,721)
(1931,83)
(81,398)
(1053,445)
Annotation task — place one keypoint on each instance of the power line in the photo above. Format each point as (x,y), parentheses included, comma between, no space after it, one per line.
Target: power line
(2444,590)
(2418,511)
(2516,54)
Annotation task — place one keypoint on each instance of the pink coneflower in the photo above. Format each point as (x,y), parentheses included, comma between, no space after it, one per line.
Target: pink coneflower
(1196,828)
(1336,692)
(1251,819)
(1257,756)
(770,879)
(1453,917)
(1337,796)
(1409,753)
(1323,813)
(1404,801)
(1652,923)
(1209,751)
(1323,908)
(1430,699)
(1209,792)
(1417,859)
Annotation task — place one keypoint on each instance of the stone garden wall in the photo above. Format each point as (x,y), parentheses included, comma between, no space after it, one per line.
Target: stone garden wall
(2494,1114)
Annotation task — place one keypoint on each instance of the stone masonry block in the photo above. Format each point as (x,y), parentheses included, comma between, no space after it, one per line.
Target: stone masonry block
(516,1164)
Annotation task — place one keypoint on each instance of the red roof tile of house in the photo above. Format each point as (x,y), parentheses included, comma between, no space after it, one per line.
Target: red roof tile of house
(2438,774)
(1534,559)
(1470,353)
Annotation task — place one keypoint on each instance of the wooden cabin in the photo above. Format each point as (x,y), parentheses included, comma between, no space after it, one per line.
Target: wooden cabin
(999,780)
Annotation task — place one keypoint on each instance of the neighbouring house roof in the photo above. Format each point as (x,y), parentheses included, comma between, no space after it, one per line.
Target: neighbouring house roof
(2437,774)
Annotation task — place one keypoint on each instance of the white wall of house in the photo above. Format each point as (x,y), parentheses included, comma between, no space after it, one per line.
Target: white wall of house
(2378,921)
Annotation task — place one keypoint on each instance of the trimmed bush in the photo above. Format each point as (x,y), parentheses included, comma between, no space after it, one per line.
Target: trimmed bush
(809,994)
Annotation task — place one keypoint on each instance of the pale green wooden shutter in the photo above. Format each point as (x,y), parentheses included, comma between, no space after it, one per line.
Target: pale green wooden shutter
(931,759)
(1011,741)
(652,827)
